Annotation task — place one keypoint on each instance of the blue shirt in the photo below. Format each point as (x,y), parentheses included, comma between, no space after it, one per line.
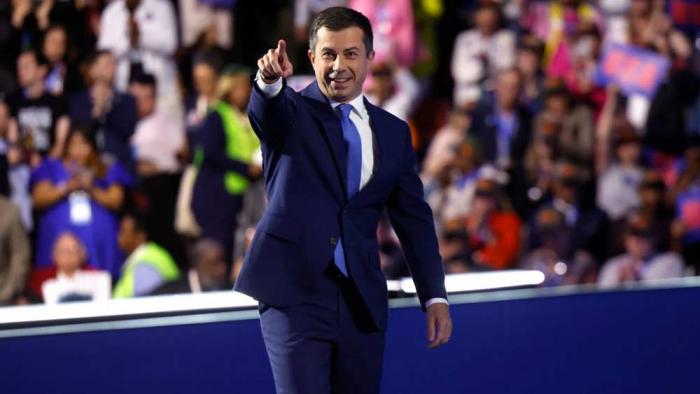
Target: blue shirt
(95,225)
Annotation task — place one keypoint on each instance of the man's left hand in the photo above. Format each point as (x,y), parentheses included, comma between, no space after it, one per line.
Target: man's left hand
(439,325)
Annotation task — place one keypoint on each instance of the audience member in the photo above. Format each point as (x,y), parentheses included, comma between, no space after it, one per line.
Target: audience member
(529,63)
(14,253)
(393,89)
(40,120)
(451,194)
(539,164)
(158,137)
(226,146)
(70,277)
(501,126)
(205,74)
(480,54)
(72,282)
(641,262)
(554,22)
(148,266)
(618,185)
(574,124)
(210,17)
(443,147)
(686,198)
(208,272)
(587,224)
(652,193)
(142,36)
(393,29)
(6,151)
(155,145)
(492,230)
(81,194)
(555,256)
(110,115)
(62,75)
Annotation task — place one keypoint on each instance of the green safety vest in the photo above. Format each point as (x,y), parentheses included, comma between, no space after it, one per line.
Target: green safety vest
(241,145)
(151,254)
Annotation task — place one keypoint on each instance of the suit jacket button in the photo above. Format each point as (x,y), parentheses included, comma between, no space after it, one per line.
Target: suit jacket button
(333,241)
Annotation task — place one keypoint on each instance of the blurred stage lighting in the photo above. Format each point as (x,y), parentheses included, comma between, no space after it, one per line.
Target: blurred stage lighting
(475,281)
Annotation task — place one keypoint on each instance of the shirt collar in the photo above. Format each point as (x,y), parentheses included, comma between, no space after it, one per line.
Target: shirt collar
(358,105)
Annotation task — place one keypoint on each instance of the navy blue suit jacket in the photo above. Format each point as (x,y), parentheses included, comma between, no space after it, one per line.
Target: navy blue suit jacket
(119,123)
(305,169)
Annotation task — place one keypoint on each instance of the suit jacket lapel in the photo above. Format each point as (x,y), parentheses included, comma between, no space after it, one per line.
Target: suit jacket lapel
(331,130)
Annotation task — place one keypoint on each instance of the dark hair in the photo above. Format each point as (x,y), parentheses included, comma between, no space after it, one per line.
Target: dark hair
(140,222)
(339,18)
(56,26)
(144,79)
(492,6)
(209,58)
(94,163)
(38,56)
(93,56)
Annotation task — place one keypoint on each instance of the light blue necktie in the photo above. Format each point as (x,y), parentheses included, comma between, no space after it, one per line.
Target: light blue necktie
(354,171)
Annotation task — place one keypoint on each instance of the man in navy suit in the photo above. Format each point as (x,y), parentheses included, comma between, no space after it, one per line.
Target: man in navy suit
(333,163)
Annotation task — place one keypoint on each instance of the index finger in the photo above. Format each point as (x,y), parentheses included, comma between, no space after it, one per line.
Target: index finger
(281,47)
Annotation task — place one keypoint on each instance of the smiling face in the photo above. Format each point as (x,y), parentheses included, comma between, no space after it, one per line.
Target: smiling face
(340,62)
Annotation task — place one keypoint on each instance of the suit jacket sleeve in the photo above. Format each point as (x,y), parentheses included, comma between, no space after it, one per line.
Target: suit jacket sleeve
(413,221)
(271,117)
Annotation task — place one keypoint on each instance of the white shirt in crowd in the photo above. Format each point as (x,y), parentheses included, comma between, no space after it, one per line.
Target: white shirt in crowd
(468,66)
(618,190)
(404,99)
(360,117)
(661,266)
(157,139)
(156,47)
(197,17)
(95,285)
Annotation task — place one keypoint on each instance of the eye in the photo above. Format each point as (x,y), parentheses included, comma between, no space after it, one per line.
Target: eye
(328,55)
(351,55)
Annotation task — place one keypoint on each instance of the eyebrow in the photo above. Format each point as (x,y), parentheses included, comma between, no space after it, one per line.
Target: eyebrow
(326,49)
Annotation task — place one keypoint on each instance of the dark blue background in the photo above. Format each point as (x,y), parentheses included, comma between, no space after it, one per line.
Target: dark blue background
(620,342)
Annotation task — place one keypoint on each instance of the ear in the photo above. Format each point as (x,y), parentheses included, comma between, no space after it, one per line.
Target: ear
(312,56)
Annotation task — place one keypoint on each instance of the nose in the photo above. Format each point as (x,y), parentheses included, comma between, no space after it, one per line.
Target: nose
(337,63)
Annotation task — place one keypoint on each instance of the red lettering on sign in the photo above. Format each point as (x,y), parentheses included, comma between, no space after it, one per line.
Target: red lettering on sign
(613,62)
(647,76)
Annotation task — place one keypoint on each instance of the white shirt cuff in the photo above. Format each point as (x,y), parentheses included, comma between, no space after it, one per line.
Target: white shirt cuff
(269,89)
(435,301)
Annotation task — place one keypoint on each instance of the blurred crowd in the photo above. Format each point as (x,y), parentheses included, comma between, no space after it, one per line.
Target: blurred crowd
(128,166)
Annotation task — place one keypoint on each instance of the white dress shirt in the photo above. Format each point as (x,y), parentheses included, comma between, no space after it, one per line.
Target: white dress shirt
(157,139)
(661,266)
(156,47)
(360,117)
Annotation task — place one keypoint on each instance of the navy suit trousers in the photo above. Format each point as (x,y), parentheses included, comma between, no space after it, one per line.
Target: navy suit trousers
(326,344)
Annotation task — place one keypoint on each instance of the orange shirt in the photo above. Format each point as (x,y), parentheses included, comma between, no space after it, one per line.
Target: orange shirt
(502,249)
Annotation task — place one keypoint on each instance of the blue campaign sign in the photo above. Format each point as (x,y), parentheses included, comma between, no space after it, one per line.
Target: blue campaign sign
(633,69)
